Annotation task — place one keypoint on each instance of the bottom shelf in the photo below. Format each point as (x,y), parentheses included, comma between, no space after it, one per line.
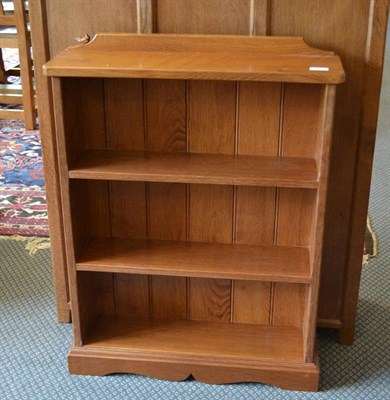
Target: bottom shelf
(210,352)
(198,338)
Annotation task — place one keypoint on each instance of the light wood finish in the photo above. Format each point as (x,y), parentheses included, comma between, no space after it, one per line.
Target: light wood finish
(197,168)
(287,264)
(18,37)
(11,94)
(9,42)
(7,20)
(11,114)
(225,58)
(164,192)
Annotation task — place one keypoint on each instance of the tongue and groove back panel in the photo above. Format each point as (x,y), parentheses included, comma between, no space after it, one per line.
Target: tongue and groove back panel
(245,118)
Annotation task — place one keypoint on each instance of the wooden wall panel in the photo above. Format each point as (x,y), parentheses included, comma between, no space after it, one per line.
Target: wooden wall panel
(125,130)
(168,294)
(210,299)
(302,110)
(288,304)
(211,220)
(166,115)
(374,59)
(167,222)
(169,297)
(165,124)
(74,138)
(259,118)
(91,119)
(211,213)
(255,215)
(80,213)
(88,313)
(255,212)
(124,114)
(211,108)
(88,17)
(203,16)
(295,219)
(92,126)
(128,210)
(323,25)
(91,113)
(251,302)
(98,207)
(131,295)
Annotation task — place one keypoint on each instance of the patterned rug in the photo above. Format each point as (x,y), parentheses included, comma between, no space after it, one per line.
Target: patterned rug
(22,193)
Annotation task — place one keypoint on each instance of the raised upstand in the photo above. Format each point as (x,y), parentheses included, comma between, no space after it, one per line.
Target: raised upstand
(194,174)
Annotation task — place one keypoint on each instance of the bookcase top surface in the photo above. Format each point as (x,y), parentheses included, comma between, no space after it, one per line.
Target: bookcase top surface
(206,57)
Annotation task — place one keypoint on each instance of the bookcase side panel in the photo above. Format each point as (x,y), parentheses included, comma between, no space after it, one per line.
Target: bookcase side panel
(327,109)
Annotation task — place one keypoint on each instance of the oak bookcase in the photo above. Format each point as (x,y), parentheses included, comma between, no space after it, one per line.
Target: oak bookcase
(194,175)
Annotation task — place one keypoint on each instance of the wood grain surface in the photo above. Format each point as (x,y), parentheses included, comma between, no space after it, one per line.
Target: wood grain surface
(218,169)
(225,341)
(167,257)
(368,27)
(237,58)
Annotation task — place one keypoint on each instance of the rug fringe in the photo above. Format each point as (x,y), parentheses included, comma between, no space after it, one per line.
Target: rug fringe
(33,244)
(366,257)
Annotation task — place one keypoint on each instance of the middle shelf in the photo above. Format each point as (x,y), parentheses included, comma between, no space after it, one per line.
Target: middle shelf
(193,259)
(221,169)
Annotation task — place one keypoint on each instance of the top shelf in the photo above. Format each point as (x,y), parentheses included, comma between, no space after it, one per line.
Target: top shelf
(207,57)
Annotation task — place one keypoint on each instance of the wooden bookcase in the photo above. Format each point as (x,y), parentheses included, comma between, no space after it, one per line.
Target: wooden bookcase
(194,174)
